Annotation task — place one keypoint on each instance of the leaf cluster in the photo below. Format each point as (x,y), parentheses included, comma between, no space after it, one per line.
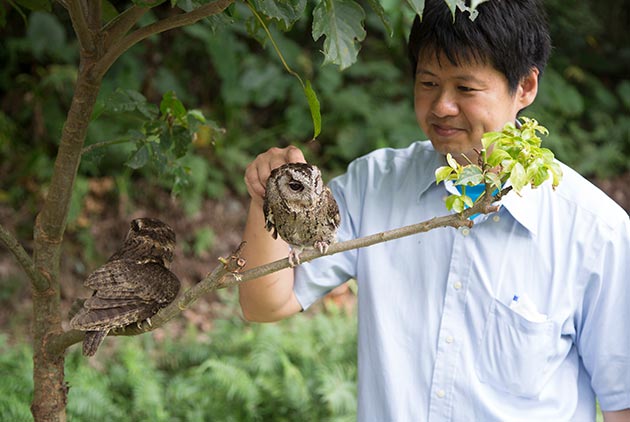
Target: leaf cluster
(512,157)
(164,136)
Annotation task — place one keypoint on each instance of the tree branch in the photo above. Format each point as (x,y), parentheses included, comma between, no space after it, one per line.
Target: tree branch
(80,24)
(121,24)
(171,22)
(228,272)
(23,258)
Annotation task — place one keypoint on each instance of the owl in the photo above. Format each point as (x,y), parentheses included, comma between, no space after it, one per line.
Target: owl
(300,208)
(131,286)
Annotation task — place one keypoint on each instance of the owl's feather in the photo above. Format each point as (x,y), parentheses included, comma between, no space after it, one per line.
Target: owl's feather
(92,340)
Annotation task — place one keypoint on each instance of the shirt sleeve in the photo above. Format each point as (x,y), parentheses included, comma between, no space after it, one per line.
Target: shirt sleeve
(604,331)
(316,278)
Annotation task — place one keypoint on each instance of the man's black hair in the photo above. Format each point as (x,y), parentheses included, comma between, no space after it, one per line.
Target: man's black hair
(510,35)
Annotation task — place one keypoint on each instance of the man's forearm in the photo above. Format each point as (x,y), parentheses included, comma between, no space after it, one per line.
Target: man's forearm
(268,298)
(619,416)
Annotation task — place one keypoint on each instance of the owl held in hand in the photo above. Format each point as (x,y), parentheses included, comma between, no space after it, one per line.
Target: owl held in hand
(300,208)
(132,286)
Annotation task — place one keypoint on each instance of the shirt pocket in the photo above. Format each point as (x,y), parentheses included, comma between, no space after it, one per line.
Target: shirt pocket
(514,352)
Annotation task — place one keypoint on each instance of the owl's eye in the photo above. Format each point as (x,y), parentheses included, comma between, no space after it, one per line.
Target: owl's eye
(296,186)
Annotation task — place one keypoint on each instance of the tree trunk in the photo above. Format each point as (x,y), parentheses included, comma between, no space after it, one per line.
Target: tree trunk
(50,390)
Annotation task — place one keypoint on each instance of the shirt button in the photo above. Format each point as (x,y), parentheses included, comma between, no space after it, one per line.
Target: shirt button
(450,339)
(441,393)
(466,231)
(457,285)
(496,218)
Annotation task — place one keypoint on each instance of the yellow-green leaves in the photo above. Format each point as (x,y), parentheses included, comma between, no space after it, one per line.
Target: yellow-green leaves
(511,157)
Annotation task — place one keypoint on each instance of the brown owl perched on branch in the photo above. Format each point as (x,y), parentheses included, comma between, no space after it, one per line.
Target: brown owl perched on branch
(300,208)
(132,286)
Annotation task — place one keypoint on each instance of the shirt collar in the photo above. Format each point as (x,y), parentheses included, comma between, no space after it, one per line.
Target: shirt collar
(525,207)
(426,170)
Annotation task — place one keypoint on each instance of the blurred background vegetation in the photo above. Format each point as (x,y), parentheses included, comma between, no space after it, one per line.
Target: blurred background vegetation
(238,82)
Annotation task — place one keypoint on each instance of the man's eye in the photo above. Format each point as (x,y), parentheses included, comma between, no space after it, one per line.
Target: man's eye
(428,84)
(465,89)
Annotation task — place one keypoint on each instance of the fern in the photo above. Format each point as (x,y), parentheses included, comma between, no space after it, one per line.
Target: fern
(303,368)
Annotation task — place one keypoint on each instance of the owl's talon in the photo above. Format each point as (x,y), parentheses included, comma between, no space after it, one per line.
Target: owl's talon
(149,322)
(321,246)
(294,258)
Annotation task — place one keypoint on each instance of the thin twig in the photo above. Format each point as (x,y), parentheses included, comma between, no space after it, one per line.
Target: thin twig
(23,258)
(103,144)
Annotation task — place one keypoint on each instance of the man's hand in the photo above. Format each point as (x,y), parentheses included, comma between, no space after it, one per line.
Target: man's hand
(258,171)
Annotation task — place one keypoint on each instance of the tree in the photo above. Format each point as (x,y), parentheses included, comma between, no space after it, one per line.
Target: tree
(101,42)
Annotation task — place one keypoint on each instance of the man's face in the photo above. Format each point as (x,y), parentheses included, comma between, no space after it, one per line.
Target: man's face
(456,105)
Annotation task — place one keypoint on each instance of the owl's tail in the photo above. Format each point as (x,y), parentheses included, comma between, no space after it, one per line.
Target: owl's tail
(92,340)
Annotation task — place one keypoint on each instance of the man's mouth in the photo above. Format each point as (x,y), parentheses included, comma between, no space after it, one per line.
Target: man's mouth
(445,130)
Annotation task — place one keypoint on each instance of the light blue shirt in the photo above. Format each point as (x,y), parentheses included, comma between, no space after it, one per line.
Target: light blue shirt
(438,340)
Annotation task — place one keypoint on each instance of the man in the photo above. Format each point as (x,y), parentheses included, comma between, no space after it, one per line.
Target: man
(440,337)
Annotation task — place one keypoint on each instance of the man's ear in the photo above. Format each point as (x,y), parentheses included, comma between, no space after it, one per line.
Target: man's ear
(528,88)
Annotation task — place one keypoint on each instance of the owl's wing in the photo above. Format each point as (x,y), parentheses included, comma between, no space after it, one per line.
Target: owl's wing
(108,318)
(125,292)
(332,210)
(126,279)
(270,224)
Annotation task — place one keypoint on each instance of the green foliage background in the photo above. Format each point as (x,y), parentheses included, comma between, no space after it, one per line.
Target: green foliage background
(301,369)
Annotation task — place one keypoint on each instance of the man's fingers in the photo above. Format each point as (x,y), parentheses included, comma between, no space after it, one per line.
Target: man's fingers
(259,170)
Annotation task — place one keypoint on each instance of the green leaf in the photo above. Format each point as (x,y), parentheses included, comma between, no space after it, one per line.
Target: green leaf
(470,175)
(450,200)
(341,21)
(493,179)
(140,158)
(556,172)
(417,6)
(452,5)
(537,172)
(171,105)
(490,138)
(285,11)
(468,202)
(313,105)
(451,162)
(126,100)
(181,139)
(497,157)
(455,203)
(443,173)
(196,115)
(518,177)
